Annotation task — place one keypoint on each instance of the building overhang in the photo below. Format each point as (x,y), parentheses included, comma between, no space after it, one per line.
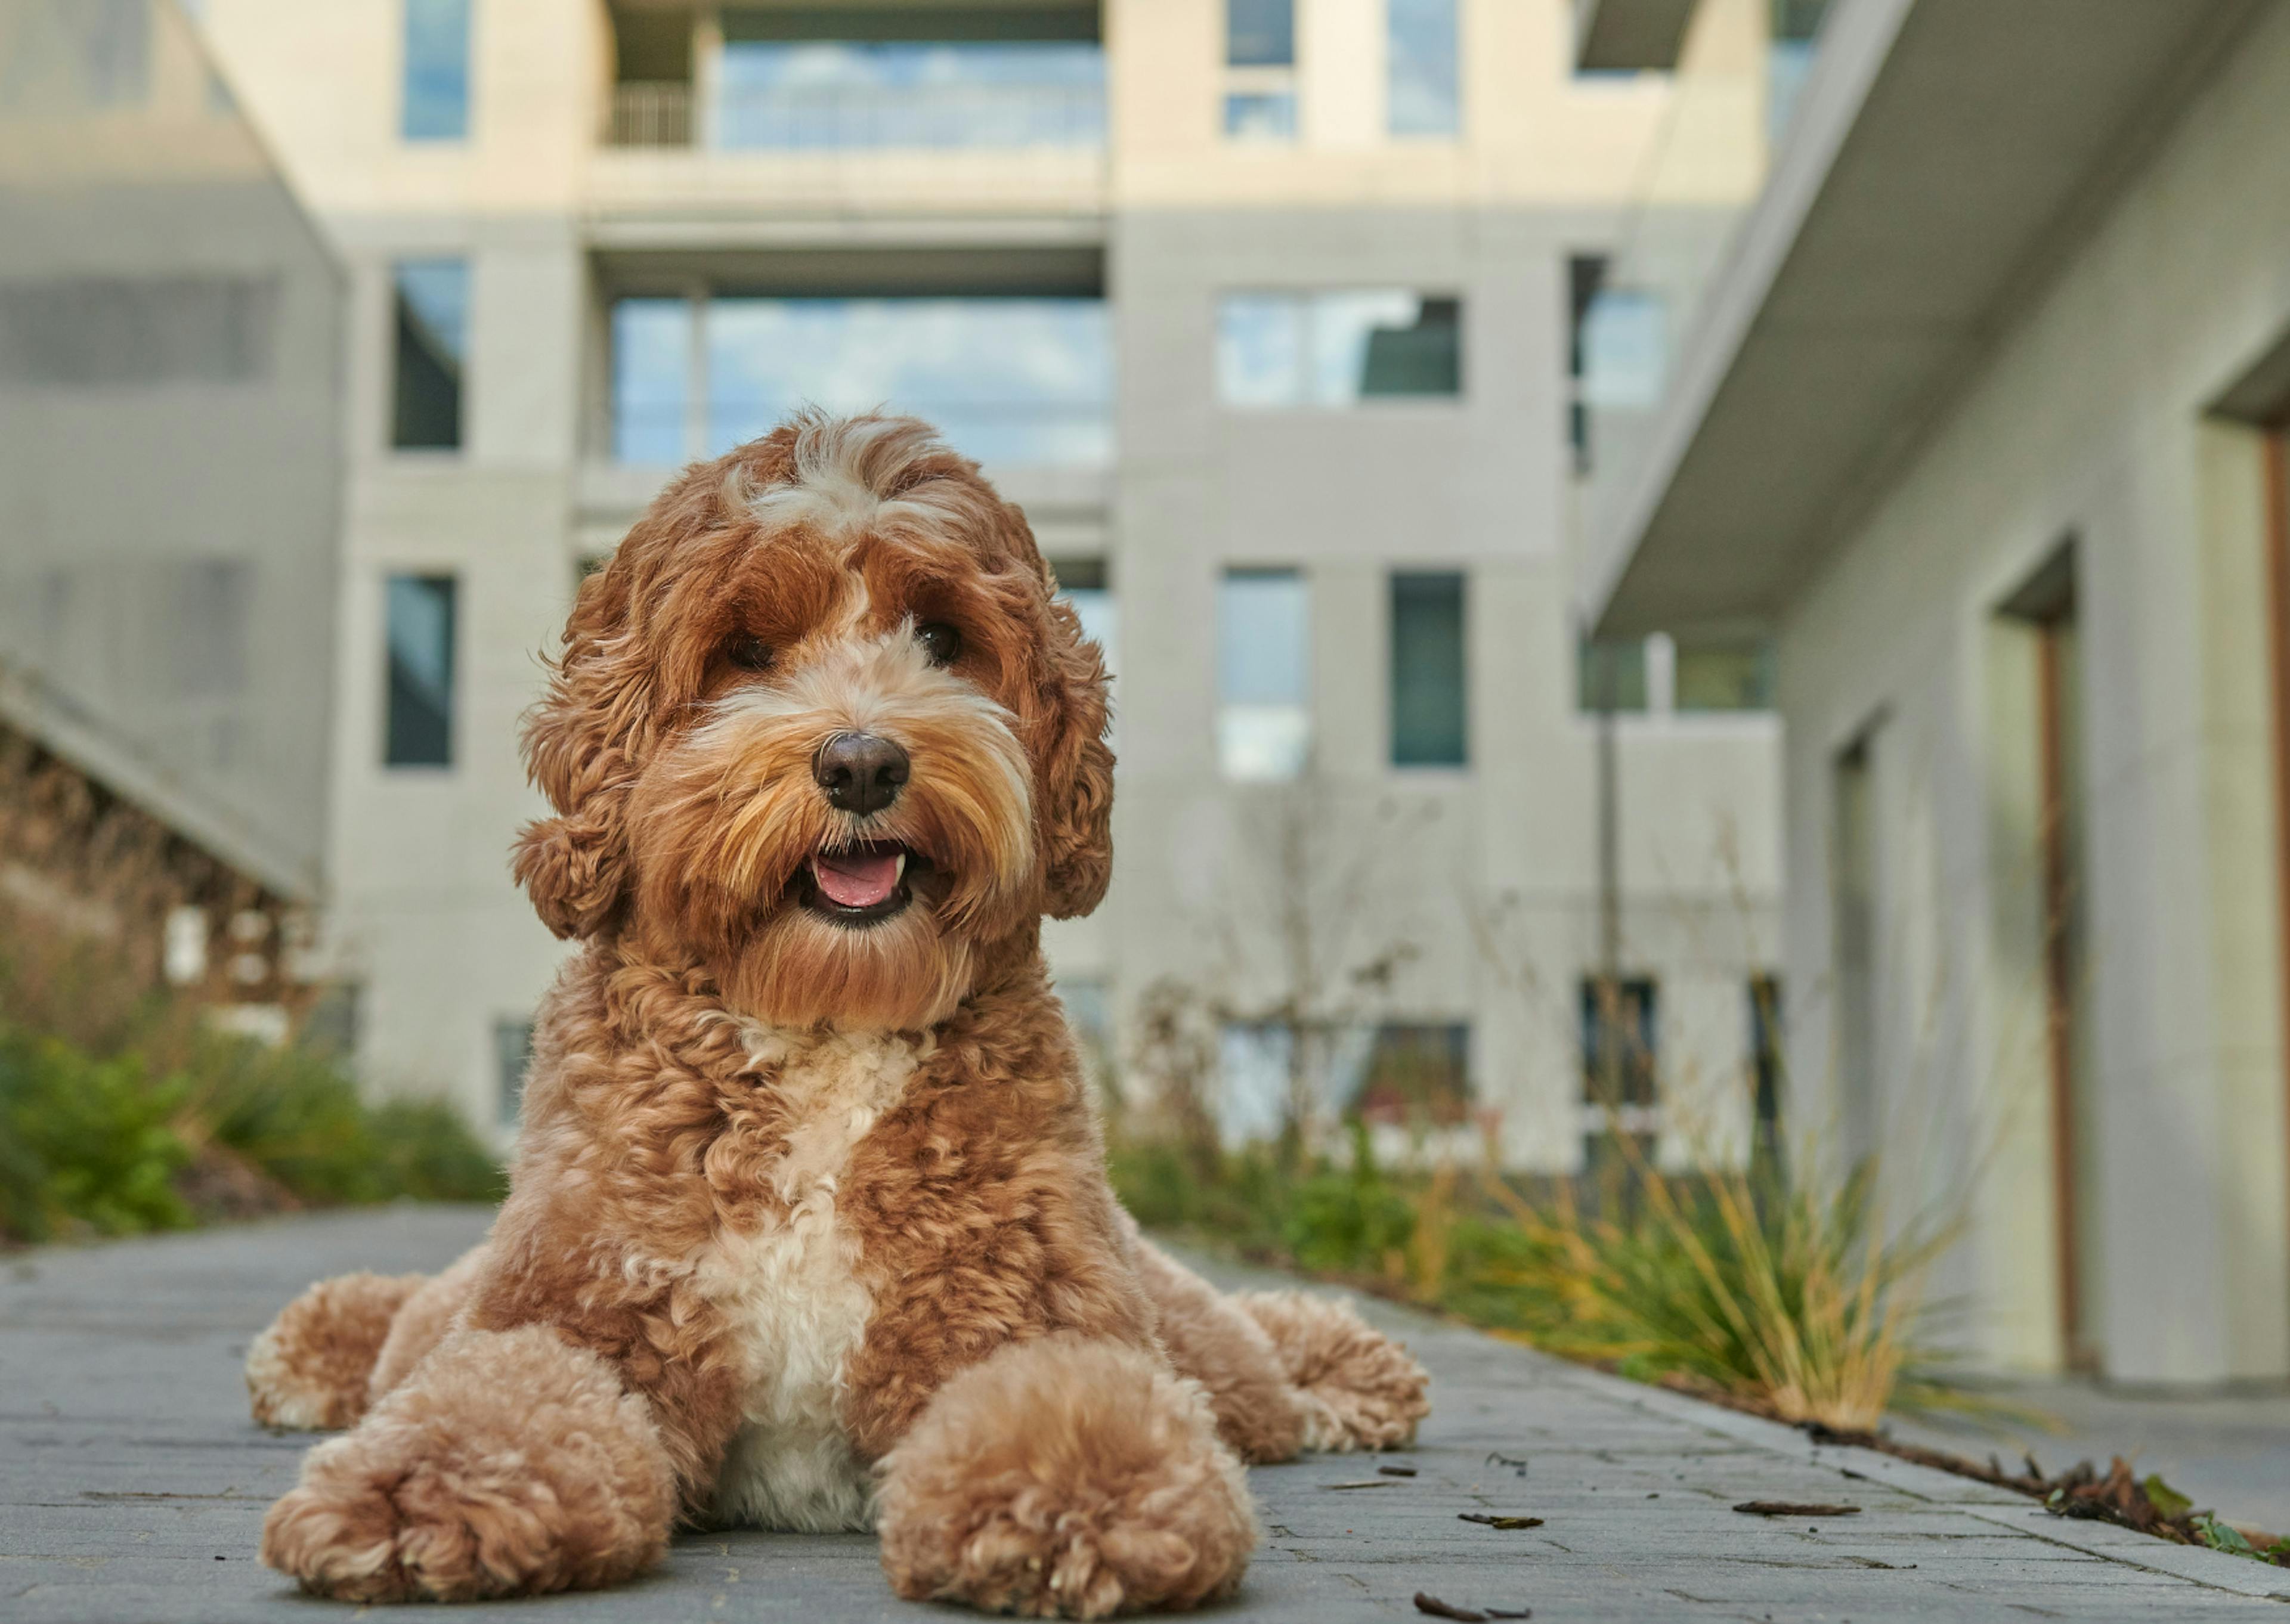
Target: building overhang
(1630,35)
(1945,156)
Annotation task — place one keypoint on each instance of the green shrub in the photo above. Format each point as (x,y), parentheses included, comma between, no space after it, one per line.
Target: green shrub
(85,1143)
(293,1114)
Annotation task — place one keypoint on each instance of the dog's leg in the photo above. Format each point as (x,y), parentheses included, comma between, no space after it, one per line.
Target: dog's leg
(1213,1340)
(423,1319)
(1359,1388)
(509,1463)
(1068,1476)
(310,1366)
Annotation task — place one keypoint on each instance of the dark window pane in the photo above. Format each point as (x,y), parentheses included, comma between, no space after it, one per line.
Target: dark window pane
(1424,359)
(1725,676)
(432,317)
(1797,20)
(1260,33)
(1766,1064)
(1428,671)
(1611,674)
(1417,1072)
(419,729)
(436,89)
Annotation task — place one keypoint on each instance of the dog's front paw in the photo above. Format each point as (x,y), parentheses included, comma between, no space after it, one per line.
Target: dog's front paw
(510,1464)
(1359,1388)
(1066,1477)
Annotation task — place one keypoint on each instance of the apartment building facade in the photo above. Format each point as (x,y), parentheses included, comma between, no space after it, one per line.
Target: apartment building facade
(2000,462)
(1261,308)
(169,479)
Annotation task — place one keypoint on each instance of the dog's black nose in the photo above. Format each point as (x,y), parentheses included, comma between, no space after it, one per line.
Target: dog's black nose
(860,773)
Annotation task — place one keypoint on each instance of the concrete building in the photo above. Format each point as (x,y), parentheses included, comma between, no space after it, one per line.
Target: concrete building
(1980,418)
(1264,312)
(171,371)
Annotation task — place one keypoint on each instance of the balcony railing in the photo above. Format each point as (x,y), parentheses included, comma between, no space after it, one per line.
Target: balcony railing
(656,115)
(827,118)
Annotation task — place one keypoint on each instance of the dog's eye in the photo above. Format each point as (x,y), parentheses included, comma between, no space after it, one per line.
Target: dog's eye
(748,653)
(941,643)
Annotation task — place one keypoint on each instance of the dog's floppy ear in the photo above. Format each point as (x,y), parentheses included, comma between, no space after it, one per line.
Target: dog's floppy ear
(1077,774)
(575,865)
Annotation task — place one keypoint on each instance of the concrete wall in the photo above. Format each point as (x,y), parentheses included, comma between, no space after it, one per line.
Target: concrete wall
(2087,421)
(170,505)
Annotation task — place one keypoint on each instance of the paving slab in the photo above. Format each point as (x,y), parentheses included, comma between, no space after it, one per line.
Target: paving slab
(2225,1449)
(132,1485)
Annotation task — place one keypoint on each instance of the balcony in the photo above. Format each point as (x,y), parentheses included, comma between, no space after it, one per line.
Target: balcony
(781,120)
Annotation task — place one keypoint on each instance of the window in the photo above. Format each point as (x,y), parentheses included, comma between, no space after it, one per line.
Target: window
(512,1061)
(1424,87)
(1625,340)
(1621,1076)
(1260,33)
(1586,274)
(1089,1012)
(1852,943)
(1289,349)
(1766,1068)
(1610,674)
(1264,676)
(1260,55)
(1258,1078)
(432,321)
(1007,379)
(1724,675)
(652,375)
(418,730)
(1086,585)
(90,331)
(436,86)
(1429,710)
(1416,1073)
(985,76)
(1796,24)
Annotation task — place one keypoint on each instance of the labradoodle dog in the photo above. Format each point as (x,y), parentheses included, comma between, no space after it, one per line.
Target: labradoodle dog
(809,1227)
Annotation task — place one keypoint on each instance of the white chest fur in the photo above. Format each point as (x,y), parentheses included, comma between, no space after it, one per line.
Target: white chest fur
(792,1292)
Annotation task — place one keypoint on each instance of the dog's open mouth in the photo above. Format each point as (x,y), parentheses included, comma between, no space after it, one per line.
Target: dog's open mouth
(859,884)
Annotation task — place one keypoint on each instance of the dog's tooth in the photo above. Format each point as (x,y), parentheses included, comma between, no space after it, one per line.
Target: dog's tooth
(899,873)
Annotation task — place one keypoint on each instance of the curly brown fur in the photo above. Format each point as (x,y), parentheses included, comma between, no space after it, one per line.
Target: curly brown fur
(1066,1476)
(307,1369)
(1360,1389)
(1211,1340)
(798,1191)
(423,1320)
(516,1464)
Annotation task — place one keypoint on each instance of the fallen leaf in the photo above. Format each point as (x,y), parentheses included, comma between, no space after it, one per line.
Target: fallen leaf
(1370,1482)
(1438,1609)
(1795,1508)
(1505,1612)
(1499,1522)
(1397,1471)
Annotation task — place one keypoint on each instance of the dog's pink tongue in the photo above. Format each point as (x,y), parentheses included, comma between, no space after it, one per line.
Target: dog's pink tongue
(857,879)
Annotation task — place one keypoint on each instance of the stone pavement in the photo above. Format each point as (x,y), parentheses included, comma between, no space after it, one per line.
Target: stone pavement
(132,1486)
(2229,1449)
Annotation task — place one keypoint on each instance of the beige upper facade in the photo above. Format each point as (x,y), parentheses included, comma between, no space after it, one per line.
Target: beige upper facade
(580,187)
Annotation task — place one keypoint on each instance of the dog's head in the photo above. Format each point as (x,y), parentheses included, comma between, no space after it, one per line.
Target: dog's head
(822,725)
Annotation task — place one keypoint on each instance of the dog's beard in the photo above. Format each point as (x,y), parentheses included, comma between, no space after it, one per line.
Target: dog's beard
(730,825)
